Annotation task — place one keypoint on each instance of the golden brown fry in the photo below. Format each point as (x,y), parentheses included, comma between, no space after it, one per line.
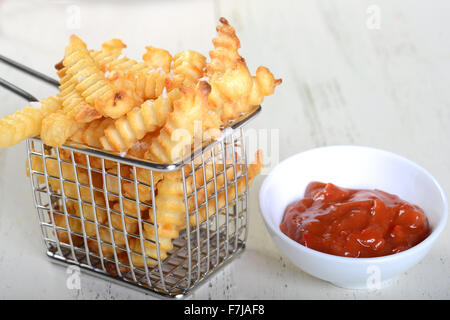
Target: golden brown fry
(69,183)
(170,201)
(57,127)
(82,159)
(144,185)
(188,67)
(149,251)
(230,79)
(103,95)
(110,51)
(175,138)
(74,105)
(171,210)
(93,132)
(26,123)
(151,115)
(112,181)
(234,90)
(106,243)
(253,170)
(157,58)
(125,81)
(139,149)
(75,226)
(148,82)
(131,225)
(263,85)
(87,212)
(225,55)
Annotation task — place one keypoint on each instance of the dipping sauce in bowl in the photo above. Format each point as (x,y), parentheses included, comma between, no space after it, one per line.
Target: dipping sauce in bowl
(354,223)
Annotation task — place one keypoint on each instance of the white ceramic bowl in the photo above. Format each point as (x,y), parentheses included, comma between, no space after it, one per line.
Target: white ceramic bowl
(351,167)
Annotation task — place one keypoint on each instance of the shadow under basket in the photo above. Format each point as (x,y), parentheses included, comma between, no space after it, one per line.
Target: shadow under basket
(160,228)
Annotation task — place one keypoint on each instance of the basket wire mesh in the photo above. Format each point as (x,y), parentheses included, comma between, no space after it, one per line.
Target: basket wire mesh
(110,238)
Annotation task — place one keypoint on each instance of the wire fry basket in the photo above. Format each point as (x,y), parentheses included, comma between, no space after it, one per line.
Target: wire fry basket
(104,213)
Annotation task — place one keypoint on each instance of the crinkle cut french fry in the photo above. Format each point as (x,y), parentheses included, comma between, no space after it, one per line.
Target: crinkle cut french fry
(69,183)
(103,95)
(90,134)
(157,58)
(57,128)
(253,170)
(74,105)
(234,90)
(111,50)
(149,82)
(126,131)
(168,229)
(26,123)
(188,67)
(263,84)
(176,136)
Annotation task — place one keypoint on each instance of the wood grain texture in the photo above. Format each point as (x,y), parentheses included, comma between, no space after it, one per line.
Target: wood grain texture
(343,83)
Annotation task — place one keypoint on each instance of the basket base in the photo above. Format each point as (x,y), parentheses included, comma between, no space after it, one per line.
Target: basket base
(56,259)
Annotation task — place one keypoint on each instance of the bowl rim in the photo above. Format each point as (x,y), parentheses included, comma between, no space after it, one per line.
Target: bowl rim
(428,241)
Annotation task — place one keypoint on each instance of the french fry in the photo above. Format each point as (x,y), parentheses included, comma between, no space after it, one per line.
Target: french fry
(103,95)
(188,67)
(26,123)
(233,89)
(172,217)
(124,132)
(157,58)
(176,137)
(149,82)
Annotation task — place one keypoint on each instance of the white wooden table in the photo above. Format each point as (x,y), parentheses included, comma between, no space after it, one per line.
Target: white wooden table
(372,73)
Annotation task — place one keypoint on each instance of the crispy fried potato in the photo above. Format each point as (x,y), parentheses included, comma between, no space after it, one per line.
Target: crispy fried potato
(144,185)
(175,138)
(111,50)
(172,216)
(56,128)
(69,181)
(106,243)
(102,94)
(157,58)
(91,135)
(148,82)
(230,79)
(139,149)
(74,105)
(234,91)
(263,84)
(149,251)
(63,235)
(124,132)
(26,123)
(188,67)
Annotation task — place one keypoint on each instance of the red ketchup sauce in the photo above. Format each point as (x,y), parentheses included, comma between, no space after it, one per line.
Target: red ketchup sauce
(354,223)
